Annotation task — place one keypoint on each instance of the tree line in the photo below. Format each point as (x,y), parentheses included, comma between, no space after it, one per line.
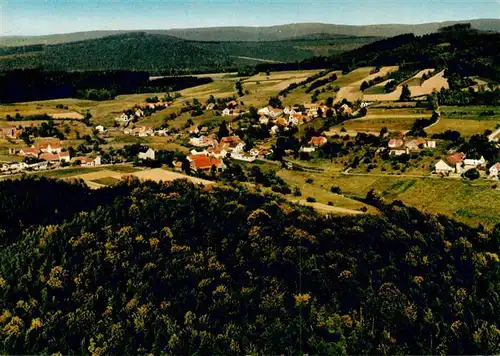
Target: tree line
(32,84)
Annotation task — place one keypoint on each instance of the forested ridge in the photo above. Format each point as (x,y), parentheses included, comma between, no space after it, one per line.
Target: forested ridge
(176,269)
(460,49)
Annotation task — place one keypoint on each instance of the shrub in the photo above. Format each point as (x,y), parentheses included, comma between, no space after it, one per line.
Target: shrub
(336,189)
(311,199)
(309,180)
(472,174)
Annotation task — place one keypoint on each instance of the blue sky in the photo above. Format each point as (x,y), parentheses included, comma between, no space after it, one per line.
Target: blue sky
(38,17)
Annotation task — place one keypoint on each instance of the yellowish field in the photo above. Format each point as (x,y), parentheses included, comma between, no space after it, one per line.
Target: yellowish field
(436,82)
(349,87)
(375,124)
(381,73)
(392,96)
(67,115)
(92,179)
(161,175)
(466,127)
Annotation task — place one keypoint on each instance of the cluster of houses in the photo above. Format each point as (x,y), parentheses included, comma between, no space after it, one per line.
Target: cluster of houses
(144,131)
(228,147)
(458,163)
(138,112)
(230,110)
(399,146)
(291,116)
(46,154)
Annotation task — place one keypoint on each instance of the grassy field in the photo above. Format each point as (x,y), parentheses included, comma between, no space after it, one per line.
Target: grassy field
(319,189)
(466,127)
(375,124)
(466,120)
(473,203)
(106,181)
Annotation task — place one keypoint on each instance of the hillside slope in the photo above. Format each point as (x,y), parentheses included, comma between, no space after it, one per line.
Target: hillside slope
(271,33)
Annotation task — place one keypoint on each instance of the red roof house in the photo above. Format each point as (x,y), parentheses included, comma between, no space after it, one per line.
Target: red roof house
(456,158)
(318,141)
(201,162)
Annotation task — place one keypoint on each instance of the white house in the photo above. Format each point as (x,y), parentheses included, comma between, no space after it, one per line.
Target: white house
(100,129)
(293,121)
(194,152)
(139,113)
(97,161)
(430,144)
(14,166)
(274,130)
(149,154)
(202,141)
(264,111)
(275,113)
(395,143)
(307,149)
(474,162)
(226,112)
(264,120)
(494,170)
(124,118)
(161,132)
(242,157)
(443,167)
(38,166)
(398,152)
(312,112)
(64,156)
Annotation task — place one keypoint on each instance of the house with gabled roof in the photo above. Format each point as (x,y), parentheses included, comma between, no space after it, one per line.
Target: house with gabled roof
(149,154)
(233,143)
(50,147)
(318,141)
(29,151)
(201,162)
(395,143)
(495,170)
(456,158)
(443,168)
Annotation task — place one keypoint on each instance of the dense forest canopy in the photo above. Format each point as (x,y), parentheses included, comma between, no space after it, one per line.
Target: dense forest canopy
(176,269)
(134,51)
(32,84)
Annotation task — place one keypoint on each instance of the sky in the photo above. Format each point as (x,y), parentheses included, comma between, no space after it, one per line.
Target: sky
(40,17)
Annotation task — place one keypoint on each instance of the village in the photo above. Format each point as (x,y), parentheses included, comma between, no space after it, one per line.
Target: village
(208,149)
(324,147)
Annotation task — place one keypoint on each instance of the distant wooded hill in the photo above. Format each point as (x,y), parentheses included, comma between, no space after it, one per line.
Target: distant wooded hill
(272,33)
(160,54)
